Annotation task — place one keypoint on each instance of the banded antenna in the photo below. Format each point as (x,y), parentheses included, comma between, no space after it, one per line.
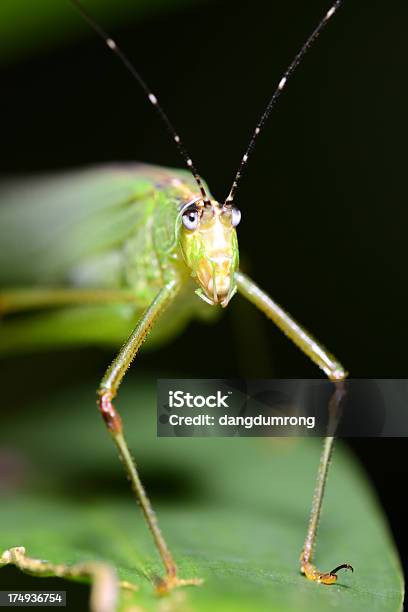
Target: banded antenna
(272,102)
(111,44)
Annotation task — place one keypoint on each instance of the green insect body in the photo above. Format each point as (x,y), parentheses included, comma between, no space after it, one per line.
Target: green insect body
(114,228)
(109,254)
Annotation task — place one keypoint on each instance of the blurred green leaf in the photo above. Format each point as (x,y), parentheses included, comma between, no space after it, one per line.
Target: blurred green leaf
(27,26)
(234,511)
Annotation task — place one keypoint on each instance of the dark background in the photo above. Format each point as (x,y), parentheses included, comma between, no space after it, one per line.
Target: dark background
(323,199)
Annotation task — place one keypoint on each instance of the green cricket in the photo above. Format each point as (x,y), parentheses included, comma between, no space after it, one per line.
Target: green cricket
(103,251)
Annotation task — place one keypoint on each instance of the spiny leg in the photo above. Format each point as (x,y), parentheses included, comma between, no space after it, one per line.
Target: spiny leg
(104,581)
(306,565)
(107,391)
(336,373)
(15,300)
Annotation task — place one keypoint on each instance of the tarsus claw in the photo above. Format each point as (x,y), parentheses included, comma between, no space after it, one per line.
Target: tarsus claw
(346,566)
(323,578)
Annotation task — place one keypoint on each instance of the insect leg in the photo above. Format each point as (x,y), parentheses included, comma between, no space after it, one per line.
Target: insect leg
(107,390)
(16,300)
(337,374)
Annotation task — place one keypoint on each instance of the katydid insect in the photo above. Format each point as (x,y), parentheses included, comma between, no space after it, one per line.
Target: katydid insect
(158,238)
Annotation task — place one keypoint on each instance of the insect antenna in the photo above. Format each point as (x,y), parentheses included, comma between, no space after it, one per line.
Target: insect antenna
(111,44)
(281,85)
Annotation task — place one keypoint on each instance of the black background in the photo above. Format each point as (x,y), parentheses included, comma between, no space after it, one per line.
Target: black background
(323,198)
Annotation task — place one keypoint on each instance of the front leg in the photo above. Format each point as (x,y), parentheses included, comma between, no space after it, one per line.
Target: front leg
(337,374)
(107,391)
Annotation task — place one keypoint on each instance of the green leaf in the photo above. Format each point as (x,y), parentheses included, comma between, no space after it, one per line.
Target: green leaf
(234,511)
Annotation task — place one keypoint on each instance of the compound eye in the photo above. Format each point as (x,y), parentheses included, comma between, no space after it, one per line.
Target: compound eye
(235,216)
(190,219)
